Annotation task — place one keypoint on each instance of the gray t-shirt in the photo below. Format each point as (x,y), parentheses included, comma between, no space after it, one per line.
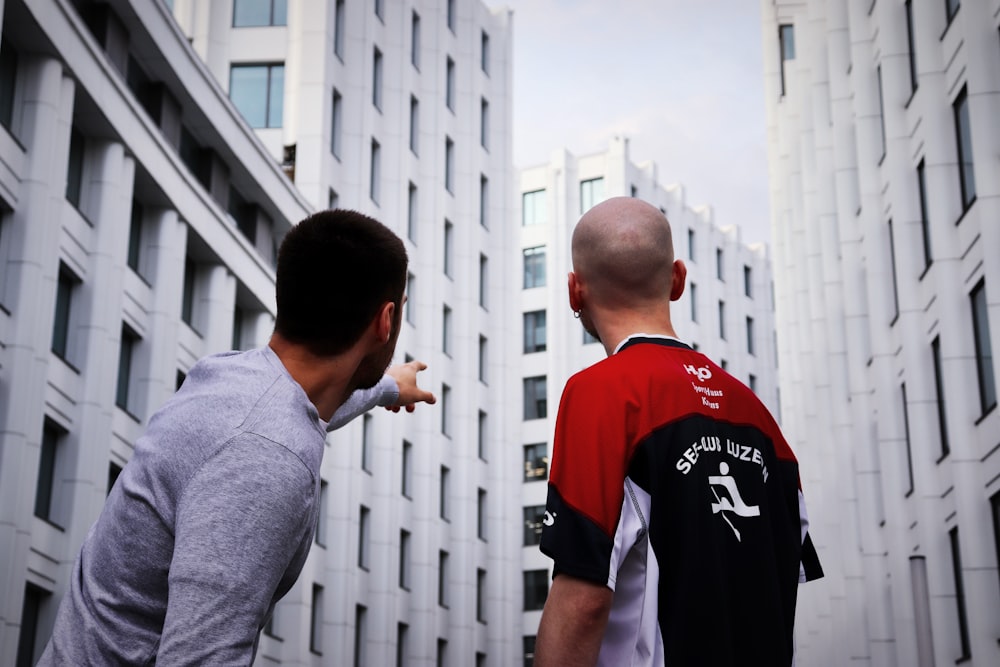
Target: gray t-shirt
(208,525)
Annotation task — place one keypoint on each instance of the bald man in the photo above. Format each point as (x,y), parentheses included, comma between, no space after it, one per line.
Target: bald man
(674,516)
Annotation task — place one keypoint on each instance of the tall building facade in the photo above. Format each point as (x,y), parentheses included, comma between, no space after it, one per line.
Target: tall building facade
(154,154)
(726,312)
(885,186)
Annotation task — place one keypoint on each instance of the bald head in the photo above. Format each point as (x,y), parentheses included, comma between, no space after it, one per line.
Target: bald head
(622,249)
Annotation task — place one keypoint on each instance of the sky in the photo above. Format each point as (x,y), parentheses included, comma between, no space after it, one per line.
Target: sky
(681,79)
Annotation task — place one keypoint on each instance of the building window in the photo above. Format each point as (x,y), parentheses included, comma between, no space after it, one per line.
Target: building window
(691,244)
(66,289)
(963,622)
(126,355)
(484,274)
(752,383)
(484,201)
(377,78)
(442,653)
(533,208)
(482,441)
(720,265)
(984,351)
(338,29)
(404,559)
(723,364)
(480,599)
(750,345)
(324,494)
(906,440)
(336,124)
(411,213)
(375,176)
(449,90)
(786,41)
(406,482)
(114,472)
(892,269)
(588,338)
(536,462)
(534,331)
(49,458)
(446,329)
(449,232)
(747,281)
(258,92)
(939,397)
(591,193)
(414,125)
(380,10)
(249,13)
(925,228)
(693,295)
(415,40)
(316,621)
(8,83)
(995,511)
(483,358)
(535,398)
(722,319)
(443,481)
(881,109)
(443,578)
(528,644)
(951,8)
(34,599)
(911,47)
(533,517)
(367,424)
(408,308)
(135,237)
(534,267)
(360,632)
(74,170)
(364,520)
(445,409)
(451,15)
(963,132)
(484,123)
(484,52)
(402,633)
(481,514)
(449,166)
(536,589)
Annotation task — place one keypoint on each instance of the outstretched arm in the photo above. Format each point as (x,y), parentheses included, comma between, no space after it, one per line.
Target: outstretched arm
(573,622)
(410,393)
(397,389)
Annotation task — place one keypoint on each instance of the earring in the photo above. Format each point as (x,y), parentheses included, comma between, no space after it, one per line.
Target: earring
(576,314)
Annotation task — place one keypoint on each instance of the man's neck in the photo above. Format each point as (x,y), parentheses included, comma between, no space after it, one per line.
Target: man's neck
(326,380)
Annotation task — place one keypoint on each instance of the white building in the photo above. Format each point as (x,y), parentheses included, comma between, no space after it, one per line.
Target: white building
(885,185)
(141,209)
(726,312)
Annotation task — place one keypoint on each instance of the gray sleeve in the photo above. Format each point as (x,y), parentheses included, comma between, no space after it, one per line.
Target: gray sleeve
(239,524)
(386,392)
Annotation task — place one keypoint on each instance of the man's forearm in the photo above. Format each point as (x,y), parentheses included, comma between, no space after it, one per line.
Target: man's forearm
(573,623)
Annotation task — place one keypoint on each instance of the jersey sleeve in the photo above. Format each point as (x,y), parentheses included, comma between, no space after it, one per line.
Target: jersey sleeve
(239,524)
(585,492)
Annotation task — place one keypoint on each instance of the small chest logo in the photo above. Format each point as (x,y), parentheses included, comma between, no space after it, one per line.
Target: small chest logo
(730,500)
(702,373)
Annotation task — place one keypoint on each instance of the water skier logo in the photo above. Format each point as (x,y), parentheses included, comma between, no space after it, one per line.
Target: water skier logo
(732,501)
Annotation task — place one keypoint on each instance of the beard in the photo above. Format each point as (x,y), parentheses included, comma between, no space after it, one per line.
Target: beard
(372,367)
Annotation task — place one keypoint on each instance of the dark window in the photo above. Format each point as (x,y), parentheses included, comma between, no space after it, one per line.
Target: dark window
(258,92)
(34,599)
(925,227)
(951,8)
(443,492)
(442,653)
(65,290)
(481,514)
(380,9)
(375,175)
(892,275)
(484,200)
(881,109)
(484,123)
(750,345)
(752,383)
(484,52)
(248,13)
(360,631)
(482,439)
(963,622)
(451,15)
(187,296)
(536,462)
(786,45)
(534,267)
(533,517)
(49,456)
(906,440)
(722,319)
(412,216)
(367,424)
(446,331)
(8,82)
(321,522)
(409,310)
(364,519)
(336,124)
(445,409)
(984,351)
(449,90)
(939,396)
(414,125)
(377,78)
(135,237)
(693,295)
(480,595)
(483,358)
(534,398)
(911,45)
(484,274)
(534,331)
(126,354)
(963,135)
(449,167)
(536,589)
(402,630)
(443,578)
(528,644)
(415,40)
(691,244)
(449,244)
(114,471)
(407,469)
(316,622)
(74,172)
(995,511)
(719,265)
(338,29)
(748,281)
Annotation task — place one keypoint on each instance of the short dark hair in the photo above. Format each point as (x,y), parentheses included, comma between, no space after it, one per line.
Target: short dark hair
(335,270)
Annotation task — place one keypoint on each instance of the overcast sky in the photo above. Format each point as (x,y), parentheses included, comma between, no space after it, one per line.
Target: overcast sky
(682,79)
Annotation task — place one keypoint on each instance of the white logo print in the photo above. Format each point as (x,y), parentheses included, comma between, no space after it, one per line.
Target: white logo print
(734,503)
(703,373)
(549,518)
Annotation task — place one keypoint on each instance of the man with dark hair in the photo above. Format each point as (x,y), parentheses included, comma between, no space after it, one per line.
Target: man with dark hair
(674,517)
(211,521)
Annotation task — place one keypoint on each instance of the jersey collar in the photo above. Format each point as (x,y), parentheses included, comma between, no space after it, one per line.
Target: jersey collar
(656,339)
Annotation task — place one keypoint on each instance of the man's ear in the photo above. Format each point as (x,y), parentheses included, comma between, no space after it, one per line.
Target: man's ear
(677,280)
(573,287)
(383,321)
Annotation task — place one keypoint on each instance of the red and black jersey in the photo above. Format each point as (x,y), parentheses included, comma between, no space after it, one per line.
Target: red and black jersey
(672,485)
